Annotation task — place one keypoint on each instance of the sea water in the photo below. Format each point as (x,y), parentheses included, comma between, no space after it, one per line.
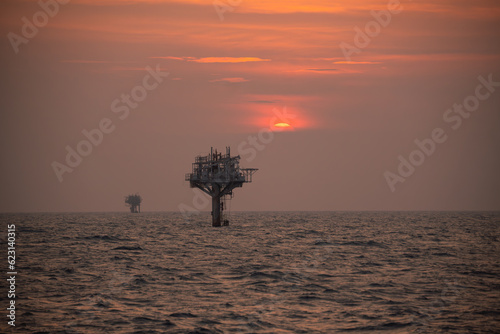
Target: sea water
(269,272)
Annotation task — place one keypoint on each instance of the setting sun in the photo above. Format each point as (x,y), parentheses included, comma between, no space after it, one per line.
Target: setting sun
(282,125)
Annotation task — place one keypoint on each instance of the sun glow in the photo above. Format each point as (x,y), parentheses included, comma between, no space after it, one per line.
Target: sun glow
(282,125)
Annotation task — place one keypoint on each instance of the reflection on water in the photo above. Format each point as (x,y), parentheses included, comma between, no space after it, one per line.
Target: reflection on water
(266,273)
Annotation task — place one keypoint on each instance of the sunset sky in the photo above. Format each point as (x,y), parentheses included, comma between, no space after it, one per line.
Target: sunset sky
(233,67)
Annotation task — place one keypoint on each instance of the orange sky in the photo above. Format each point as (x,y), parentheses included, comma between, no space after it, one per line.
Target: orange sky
(353,116)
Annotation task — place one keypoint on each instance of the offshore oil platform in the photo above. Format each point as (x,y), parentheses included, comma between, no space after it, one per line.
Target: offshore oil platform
(217,175)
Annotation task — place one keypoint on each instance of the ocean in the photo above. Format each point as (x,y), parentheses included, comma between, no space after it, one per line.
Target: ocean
(268,272)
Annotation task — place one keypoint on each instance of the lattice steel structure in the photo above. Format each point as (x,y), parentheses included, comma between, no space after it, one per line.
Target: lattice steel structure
(217,175)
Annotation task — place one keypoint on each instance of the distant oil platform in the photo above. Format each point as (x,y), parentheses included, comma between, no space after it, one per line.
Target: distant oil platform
(217,175)
(134,203)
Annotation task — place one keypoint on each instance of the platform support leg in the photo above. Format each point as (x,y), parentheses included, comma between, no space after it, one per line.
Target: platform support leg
(216,214)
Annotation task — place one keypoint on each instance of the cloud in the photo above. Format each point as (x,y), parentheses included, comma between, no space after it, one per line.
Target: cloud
(321,69)
(216,59)
(255,6)
(232,80)
(356,62)
(228,59)
(317,70)
(173,58)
